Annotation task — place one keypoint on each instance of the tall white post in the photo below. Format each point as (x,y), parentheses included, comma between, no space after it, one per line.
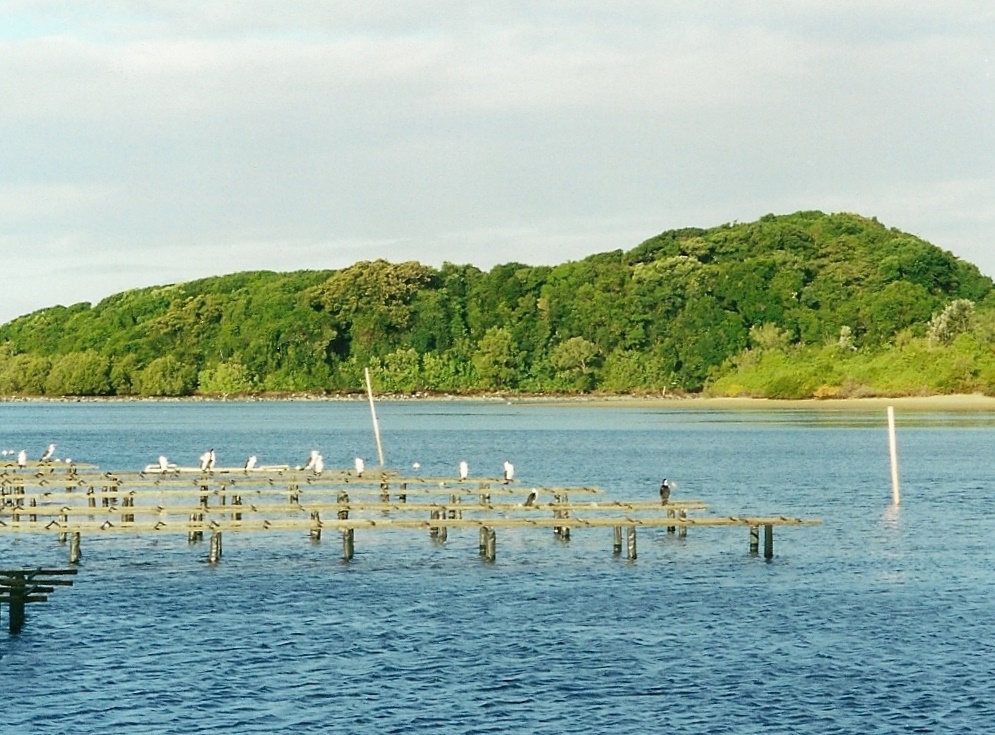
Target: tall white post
(892,445)
(373,411)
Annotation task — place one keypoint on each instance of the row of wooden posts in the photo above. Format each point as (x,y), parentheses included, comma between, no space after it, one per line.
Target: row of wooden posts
(169,487)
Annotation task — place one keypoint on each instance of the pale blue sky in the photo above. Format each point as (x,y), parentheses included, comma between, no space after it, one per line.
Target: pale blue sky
(146,142)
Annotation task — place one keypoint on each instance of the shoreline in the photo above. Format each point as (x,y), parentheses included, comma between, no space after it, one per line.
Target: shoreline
(954,402)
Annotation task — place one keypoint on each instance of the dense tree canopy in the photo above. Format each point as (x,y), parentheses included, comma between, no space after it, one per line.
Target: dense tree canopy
(786,305)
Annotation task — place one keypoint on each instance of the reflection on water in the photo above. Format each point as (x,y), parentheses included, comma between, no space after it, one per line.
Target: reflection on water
(880,620)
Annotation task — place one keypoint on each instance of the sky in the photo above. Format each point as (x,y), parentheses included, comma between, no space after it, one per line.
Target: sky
(148,142)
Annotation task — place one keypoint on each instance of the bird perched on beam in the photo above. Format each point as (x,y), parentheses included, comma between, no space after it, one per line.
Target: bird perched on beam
(664,491)
(531,500)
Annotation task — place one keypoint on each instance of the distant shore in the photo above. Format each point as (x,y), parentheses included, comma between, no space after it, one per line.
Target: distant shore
(972,402)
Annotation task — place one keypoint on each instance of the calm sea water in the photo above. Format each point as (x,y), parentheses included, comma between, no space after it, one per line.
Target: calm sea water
(878,621)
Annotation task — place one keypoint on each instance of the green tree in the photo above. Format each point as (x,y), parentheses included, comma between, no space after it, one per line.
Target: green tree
(954,320)
(167,376)
(496,359)
(79,374)
(573,357)
(124,375)
(225,378)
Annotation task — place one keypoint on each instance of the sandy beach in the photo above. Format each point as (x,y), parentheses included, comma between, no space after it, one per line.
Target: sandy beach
(968,403)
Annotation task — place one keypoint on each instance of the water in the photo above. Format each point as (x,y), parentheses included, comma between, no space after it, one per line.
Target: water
(875,622)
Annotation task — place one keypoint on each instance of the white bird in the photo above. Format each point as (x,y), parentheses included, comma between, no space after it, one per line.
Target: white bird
(163,463)
(311,459)
(416,465)
(250,463)
(207,460)
(319,464)
(464,470)
(530,501)
(48,453)
(22,458)
(509,471)
(360,466)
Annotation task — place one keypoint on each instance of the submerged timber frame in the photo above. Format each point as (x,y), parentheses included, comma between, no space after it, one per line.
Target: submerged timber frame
(71,501)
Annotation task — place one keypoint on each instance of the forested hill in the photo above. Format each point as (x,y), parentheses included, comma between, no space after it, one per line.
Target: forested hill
(801,304)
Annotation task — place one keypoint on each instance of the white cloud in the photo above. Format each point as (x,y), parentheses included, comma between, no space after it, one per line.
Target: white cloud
(326,133)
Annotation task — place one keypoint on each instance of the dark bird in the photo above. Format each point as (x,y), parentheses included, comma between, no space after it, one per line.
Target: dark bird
(664,491)
(531,500)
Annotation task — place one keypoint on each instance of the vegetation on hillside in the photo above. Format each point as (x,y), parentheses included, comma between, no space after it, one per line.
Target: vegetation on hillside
(800,305)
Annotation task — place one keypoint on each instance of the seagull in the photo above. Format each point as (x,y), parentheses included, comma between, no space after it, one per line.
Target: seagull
(161,466)
(664,491)
(360,466)
(250,463)
(464,470)
(416,466)
(207,460)
(319,464)
(48,453)
(311,459)
(509,471)
(22,458)
(531,500)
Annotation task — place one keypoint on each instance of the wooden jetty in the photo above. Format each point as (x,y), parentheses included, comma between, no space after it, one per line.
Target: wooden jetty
(71,501)
(19,587)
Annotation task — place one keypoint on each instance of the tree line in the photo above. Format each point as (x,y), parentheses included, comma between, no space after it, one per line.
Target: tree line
(788,306)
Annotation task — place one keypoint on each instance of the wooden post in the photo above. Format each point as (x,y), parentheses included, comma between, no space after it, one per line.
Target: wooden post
(670,514)
(295,494)
(768,541)
(564,530)
(373,413)
(348,544)
(236,500)
(631,542)
(63,520)
(490,551)
(617,540)
(402,497)
(15,607)
(343,500)
(315,531)
(683,532)
(483,540)
(33,518)
(433,531)
(91,499)
(454,512)
(754,540)
(214,555)
(893,451)
(74,551)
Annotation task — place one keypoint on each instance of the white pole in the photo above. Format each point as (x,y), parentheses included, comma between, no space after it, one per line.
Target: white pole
(373,411)
(895,497)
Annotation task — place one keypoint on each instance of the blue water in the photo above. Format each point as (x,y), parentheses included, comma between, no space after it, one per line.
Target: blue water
(878,621)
